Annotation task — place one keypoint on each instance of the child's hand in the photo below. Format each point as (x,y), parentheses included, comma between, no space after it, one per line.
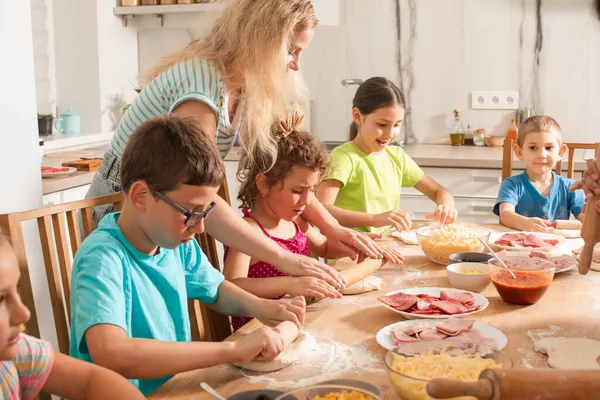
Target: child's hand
(274,312)
(392,255)
(263,341)
(444,214)
(316,288)
(398,218)
(536,225)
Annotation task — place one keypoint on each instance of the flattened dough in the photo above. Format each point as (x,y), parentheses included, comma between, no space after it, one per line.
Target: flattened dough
(567,233)
(568,353)
(368,284)
(408,237)
(303,344)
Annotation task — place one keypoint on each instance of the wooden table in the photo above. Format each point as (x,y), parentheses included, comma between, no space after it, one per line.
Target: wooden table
(571,308)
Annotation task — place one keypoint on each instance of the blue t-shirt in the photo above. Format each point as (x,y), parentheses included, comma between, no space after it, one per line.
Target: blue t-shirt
(560,203)
(114,283)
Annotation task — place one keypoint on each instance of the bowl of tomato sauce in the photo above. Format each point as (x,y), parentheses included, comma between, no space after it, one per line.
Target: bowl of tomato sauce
(529,285)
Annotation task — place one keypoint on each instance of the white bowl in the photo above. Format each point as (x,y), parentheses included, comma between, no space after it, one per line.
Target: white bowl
(471,282)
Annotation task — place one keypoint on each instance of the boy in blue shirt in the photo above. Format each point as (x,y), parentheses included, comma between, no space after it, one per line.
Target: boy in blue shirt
(133,275)
(529,201)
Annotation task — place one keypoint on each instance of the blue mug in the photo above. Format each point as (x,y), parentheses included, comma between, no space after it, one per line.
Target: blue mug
(68,122)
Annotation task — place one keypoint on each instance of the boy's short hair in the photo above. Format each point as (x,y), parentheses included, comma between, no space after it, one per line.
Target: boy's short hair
(538,123)
(168,151)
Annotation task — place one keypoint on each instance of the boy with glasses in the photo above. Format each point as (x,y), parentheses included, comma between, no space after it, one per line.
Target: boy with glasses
(133,275)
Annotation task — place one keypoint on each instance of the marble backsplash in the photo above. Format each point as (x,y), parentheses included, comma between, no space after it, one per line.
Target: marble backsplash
(438,52)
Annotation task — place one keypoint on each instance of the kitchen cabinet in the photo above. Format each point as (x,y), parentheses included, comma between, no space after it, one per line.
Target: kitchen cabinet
(65,196)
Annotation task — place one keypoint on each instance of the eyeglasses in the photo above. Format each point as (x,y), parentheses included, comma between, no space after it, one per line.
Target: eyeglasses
(192,218)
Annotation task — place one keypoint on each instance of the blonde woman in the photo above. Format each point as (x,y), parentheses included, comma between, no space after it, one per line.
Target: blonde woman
(233,81)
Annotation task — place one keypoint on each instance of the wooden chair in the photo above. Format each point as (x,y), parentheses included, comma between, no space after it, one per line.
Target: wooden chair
(59,229)
(214,326)
(507,157)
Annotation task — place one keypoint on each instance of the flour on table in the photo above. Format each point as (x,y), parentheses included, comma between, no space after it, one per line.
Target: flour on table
(325,360)
(531,358)
(570,353)
(293,352)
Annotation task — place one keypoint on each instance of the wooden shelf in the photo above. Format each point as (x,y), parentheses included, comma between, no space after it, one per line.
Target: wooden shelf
(161,10)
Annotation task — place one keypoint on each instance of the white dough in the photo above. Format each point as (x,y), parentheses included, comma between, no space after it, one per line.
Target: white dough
(408,237)
(368,284)
(567,353)
(567,233)
(303,344)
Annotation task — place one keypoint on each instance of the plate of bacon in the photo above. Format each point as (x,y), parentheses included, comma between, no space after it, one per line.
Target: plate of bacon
(418,334)
(526,240)
(434,303)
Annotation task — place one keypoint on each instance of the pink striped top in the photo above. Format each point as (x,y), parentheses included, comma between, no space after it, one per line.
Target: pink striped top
(26,375)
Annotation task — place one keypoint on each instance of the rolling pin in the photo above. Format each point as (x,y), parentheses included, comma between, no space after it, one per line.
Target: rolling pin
(288,332)
(522,384)
(362,270)
(590,232)
(565,224)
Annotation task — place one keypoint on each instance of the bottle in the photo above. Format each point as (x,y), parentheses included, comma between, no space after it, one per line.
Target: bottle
(479,137)
(512,131)
(469,135)
(457,134)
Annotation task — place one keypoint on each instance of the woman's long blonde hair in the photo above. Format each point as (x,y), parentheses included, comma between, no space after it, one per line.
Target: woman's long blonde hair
(249,43)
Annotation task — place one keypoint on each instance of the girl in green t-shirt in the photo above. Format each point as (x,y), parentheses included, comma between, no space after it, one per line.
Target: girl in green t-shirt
(366,175)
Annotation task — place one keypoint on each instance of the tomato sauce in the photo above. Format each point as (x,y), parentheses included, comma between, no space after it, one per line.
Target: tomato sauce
(528,288)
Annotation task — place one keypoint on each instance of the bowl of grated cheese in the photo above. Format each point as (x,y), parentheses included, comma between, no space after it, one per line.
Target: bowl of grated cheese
(440,242)
(409,374)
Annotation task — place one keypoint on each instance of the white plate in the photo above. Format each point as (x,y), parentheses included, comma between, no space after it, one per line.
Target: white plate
(541,235)
(433,291)
(525,253)
(384,338)
(58,174)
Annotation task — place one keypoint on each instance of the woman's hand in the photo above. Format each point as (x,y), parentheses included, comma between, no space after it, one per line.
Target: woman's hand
(348,242)
(444,214)
(590,183)
(397,218)
(299,265)
(392,254)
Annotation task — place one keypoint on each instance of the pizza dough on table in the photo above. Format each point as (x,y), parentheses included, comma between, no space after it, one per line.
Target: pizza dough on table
(368,284)
(567,233)
(568,353)
(408,237)
(303,344)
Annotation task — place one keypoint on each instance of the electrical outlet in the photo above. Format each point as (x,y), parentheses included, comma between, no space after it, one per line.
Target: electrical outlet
(494,100)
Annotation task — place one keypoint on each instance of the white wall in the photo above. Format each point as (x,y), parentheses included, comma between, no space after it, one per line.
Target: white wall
(21,187)
(43,53)
(96,60)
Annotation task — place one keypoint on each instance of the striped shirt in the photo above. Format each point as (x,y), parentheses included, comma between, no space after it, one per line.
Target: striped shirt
(192,79)
(26,375)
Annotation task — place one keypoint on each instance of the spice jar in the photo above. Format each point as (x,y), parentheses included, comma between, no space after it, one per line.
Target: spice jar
(168,2)
(479,137)
(129,3)
(186,1)
(150,2)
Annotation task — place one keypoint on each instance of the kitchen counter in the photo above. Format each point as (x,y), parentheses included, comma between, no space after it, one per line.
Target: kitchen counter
(426,155)
(442,155)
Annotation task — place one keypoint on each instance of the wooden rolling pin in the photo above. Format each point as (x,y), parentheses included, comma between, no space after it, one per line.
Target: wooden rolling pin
(522,384)
(288,332)
(565,224)
(590,232)
(362,270)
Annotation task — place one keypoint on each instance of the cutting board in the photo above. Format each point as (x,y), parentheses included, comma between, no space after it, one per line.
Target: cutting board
(83,165)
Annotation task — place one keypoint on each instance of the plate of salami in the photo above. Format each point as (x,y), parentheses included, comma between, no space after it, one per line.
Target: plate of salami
(418,333)
(525,240)
(54,172)
(433,303)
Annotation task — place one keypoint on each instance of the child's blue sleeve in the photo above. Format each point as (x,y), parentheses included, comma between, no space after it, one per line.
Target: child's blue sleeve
(509,193)
(576,201)
(201,278)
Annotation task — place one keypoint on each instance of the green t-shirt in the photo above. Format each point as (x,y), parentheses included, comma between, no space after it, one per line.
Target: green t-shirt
(371,183)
